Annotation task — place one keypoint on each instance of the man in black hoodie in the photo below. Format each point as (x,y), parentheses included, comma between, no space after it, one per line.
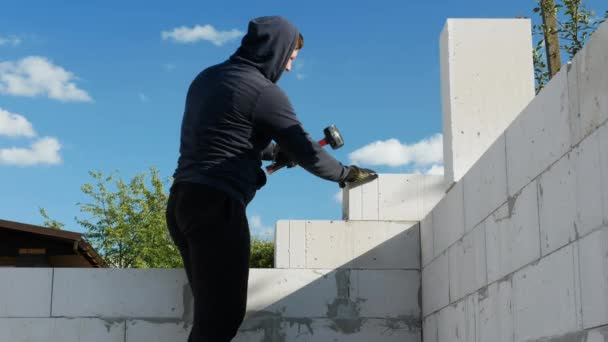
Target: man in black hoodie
(234,110)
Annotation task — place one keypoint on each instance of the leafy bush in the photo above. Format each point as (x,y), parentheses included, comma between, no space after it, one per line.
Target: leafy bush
(262,253)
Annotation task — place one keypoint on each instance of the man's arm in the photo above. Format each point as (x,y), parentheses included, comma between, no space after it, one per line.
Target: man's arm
(275,114)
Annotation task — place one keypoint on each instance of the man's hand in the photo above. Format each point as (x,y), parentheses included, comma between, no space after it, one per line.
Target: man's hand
(357,174)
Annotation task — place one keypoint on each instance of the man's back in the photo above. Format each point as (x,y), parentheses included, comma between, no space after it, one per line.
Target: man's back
(218,141)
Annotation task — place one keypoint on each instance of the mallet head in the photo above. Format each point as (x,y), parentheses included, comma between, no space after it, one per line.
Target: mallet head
(333,137)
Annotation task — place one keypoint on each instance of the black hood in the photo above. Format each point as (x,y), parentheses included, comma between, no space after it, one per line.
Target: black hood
(268,45)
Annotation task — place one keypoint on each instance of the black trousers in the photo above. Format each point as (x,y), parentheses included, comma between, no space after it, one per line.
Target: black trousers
(211,231)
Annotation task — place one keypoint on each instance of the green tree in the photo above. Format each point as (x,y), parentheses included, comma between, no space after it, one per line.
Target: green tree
(49,222)
(262,253)
(126,224)
(566,26)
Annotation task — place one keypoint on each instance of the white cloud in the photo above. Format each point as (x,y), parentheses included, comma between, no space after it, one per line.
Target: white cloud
(142,97)
(435,170)
(197,33)
(392,152)
(338,197)
(35,76)
(259,227)
(15,125)
(10,40)
(42,151)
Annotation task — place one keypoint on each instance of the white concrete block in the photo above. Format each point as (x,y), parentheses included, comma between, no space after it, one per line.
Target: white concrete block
(485,185)
(593,251)
(322,330)
(297,244)
(370,201)
(400,196)
(456,323)
(26,292)
(597,335)
(61,330)
(329,244)
(479,100)
(603,132)
(557,205)
(352,203)
(387,293)
(281,244)
(294,292)
(119,293)
(435,285)
(448,220)
(361,244)
(429,329)
(589,69)
(152,331)
(589,211)
(512,234)
(426,239)
(385,245)
(433,191)
(540,135)
(544,297)
(467,260)
(495,315)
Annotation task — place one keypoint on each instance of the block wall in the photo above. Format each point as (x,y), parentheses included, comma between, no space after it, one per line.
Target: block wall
(518,249)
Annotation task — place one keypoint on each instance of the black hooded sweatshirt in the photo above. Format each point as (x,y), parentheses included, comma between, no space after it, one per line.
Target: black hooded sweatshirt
(234,110)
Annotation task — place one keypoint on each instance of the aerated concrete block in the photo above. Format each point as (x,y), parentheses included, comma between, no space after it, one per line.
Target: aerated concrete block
(448,220)
(435,285)
(479,100)
(429,329)
(61,329)
(540,135)
(297,244)
(485,185)
(456,323)
(593,251)
(557,205)
(589,211)
(512,234)
(294,292)
(119,293)
(387,293)
(603,132)
(322,330)
(433,191)
(426,239)
(329,244)
(281,244)
(467,259)
(153,331)
(400,197)
(544,297)
(352,203)
(370,201)
(589,68)
(494,313)
(361,245)
(26,292)
(385,245)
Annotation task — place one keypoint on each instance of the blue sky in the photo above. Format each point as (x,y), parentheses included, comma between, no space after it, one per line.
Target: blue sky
(98,86)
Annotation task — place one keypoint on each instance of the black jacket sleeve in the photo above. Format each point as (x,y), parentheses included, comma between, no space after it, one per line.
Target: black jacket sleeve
(268,152)
(275,115)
